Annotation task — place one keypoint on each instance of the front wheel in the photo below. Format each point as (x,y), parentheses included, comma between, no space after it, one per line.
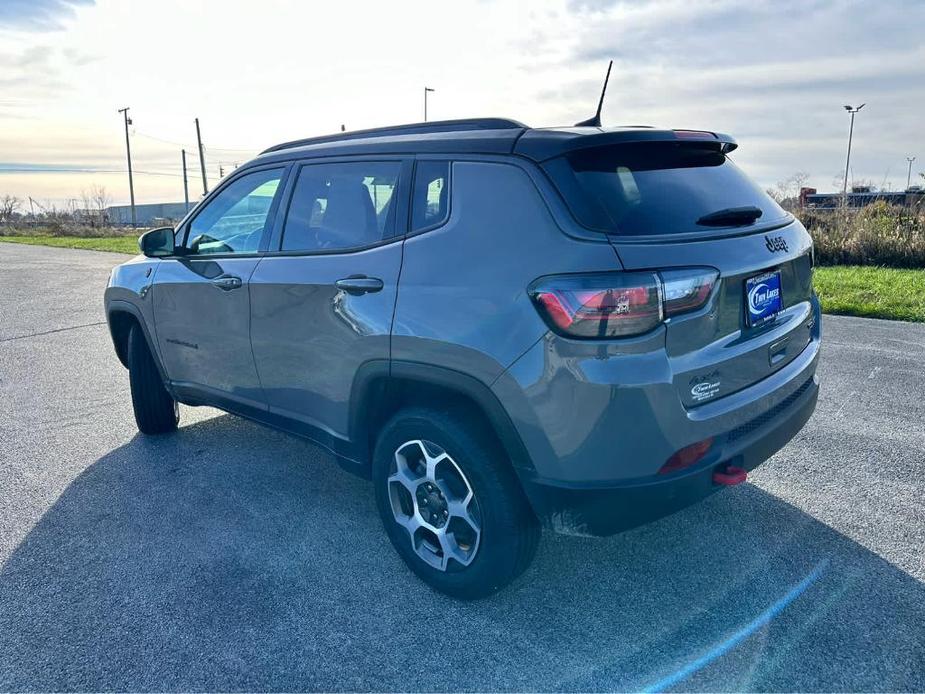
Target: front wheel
(451,505)
(155,411)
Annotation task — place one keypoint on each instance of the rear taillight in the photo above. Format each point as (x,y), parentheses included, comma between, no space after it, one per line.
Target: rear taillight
(686,290)
(619,304)
(605,305)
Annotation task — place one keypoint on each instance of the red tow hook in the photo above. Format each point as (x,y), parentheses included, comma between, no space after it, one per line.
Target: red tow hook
(730,476)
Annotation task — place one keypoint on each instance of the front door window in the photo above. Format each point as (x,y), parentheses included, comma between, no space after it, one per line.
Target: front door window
(234,221)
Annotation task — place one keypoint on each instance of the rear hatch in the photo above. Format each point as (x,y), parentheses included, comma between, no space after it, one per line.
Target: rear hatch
(684,204)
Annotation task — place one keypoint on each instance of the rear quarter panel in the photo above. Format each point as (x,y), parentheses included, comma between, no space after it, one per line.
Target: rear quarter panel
(462,300)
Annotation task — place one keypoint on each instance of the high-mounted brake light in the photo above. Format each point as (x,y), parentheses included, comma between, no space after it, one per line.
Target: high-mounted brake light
(619,304)
(726,143)
(694,135)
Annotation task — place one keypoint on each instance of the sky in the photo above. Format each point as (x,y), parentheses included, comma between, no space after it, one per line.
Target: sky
(775,74)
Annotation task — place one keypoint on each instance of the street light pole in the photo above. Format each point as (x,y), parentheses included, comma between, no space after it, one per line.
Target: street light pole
(852,110)
(426,89)
(909,175)
(128,154)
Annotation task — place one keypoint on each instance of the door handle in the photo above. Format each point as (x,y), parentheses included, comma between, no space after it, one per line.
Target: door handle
(227,282)
(359,284)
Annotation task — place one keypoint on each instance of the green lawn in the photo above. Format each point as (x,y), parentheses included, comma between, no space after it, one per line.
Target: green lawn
(115,244)
(872,292)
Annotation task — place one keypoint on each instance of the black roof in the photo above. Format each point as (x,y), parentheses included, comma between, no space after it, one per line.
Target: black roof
(429,128)
(480,136)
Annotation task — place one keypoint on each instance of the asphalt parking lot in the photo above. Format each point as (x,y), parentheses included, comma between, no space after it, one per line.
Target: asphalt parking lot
(229,556)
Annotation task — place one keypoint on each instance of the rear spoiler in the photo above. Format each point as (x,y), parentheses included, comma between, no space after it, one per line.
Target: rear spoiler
(541,145)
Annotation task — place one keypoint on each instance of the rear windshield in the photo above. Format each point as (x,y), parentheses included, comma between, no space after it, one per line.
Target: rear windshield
(652,188)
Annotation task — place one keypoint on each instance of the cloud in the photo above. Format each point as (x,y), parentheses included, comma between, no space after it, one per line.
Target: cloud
(724,32)
(37,74)
(772,73)
(31,73)
(38,15)
(79,58)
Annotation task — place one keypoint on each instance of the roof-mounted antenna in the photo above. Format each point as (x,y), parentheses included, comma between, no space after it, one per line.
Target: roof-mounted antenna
(595,122)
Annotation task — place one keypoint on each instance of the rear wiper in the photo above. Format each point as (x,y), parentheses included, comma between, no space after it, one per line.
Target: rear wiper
(731,216)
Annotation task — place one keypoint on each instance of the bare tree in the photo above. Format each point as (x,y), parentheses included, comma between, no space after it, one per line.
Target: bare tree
(101,200)
(9,205)
(85,212)
(787,191)
(94,203)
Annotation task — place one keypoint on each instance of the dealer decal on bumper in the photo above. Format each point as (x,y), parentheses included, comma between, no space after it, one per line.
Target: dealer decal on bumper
(705,387)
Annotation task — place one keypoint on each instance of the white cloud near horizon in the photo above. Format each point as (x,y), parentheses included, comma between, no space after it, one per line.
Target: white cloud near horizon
(773,74)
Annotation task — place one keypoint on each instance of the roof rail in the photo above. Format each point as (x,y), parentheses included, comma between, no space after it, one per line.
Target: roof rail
(438,126)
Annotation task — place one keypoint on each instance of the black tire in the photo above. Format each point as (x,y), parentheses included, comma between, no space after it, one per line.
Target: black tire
(510,532)
(155,411)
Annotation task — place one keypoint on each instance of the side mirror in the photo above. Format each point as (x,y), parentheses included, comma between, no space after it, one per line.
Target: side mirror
(157,243)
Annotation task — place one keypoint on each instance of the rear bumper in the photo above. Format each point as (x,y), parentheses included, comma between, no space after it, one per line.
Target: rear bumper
(600,422)
(604,509)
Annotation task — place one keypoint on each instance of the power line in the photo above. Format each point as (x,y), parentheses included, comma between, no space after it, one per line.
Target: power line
(135,133)
(187,145)
(223,149)
(87,171)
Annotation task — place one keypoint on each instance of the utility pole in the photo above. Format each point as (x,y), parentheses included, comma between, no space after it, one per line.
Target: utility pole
(185,182)
(909,175)
(852,110)
(202,161)
(128,154)
(426,89)
(32,206)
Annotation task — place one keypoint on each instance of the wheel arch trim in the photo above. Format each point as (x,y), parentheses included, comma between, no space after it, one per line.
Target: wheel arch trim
(119,306)
(375,379)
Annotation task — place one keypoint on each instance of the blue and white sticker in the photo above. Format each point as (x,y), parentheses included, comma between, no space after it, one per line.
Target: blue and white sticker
(704,390)
(763,298)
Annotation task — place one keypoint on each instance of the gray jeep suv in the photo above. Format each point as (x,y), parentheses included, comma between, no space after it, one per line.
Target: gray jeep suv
(503,327)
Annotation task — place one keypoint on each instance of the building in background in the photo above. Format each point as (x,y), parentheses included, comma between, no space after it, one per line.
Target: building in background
(147,215)
(861,196)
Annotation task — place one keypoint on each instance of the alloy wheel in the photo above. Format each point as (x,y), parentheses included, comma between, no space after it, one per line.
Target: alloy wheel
(434,502)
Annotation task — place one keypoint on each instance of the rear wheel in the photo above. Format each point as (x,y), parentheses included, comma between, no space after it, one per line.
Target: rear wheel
(155,411)
(451,504)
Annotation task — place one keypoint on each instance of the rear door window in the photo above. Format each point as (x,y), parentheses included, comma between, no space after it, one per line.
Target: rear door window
(430,202)
(655,188)
(342,205)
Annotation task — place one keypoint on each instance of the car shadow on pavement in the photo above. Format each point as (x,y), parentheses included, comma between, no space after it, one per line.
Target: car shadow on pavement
(227,556)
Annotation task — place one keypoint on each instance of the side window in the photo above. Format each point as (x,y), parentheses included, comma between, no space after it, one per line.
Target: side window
(235,219)
(431,196)
(343,205)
